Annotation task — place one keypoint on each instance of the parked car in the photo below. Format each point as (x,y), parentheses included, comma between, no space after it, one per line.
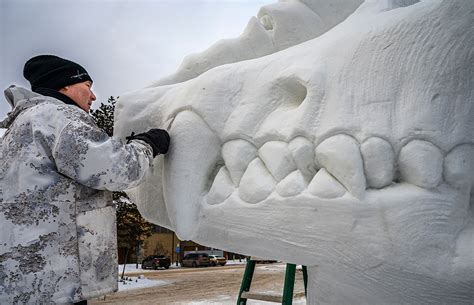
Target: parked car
(195,260)
(156,261)
(215,260)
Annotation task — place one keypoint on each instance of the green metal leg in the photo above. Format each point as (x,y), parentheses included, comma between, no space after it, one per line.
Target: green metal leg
(289,284)
(305,280)
(246,281)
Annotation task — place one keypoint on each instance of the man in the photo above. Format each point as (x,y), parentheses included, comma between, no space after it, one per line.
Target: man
(57,171)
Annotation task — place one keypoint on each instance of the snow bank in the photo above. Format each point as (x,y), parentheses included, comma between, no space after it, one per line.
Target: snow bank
(140,282)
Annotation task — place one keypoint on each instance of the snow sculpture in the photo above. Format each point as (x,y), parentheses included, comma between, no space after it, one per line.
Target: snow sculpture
(351,153)
(276,27)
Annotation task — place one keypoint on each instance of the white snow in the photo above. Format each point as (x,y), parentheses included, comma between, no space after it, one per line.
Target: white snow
(459,166)
(139,282)
(222,187)
(226,300)
(421,163)
(303,154)
(276,27)
(379,162)
(180,192)
(277,158)
(257,183)
(133,269)
(291,185)
(324,185)
(341,157)
(380,103)
(237,155)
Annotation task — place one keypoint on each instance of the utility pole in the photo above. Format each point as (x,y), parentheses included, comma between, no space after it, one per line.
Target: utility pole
(172,249)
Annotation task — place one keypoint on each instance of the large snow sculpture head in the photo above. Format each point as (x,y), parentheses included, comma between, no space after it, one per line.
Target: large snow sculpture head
(353,152)
(276,27)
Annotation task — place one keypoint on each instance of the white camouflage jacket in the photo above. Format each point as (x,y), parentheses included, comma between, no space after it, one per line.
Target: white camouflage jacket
(58,231)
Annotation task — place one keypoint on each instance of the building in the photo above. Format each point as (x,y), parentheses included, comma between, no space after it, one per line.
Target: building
(165,242)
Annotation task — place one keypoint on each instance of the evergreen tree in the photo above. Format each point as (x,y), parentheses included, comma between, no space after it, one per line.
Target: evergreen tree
(132,228)
(104,115)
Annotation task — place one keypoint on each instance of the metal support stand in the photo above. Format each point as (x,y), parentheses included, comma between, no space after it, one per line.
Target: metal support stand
(246,281)
(288,288)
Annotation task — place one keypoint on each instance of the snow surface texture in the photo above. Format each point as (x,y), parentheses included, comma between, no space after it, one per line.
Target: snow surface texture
(351,153)
(140,282)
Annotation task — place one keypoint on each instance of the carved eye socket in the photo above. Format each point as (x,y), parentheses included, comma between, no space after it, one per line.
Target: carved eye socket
(267,22)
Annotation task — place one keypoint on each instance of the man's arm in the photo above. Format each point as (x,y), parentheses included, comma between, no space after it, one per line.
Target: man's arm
(88,155)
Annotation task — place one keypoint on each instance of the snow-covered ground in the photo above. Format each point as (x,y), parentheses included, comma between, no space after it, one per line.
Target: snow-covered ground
(135,279)
(139,282)
(132,267)
(134,282)
(226,300)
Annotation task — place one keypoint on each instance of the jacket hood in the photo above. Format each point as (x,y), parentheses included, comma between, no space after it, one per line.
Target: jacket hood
(19,99)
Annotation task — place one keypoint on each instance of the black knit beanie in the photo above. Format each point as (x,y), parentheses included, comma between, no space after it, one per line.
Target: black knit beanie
(53,72)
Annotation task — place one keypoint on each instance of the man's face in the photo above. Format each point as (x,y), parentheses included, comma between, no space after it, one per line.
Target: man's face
(81,93)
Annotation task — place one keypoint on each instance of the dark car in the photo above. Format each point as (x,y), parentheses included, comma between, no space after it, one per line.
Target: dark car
(156,261)
(195,260)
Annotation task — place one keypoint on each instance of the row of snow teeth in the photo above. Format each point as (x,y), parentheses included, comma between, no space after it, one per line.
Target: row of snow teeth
(290,169)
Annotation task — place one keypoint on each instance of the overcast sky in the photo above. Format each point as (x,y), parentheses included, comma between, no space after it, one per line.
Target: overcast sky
(123,44)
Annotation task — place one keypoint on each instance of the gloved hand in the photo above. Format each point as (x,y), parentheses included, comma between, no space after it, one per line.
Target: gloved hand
(158,139)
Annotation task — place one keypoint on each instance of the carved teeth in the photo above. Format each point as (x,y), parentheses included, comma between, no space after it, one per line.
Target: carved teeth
(341,157)
(420,163)
(379,162)
(303,154)
(257,183)
(277,158)
(237,155)
(291,185)
(222,187)
(459,166)
(287,168)
(324,185)
(182,195)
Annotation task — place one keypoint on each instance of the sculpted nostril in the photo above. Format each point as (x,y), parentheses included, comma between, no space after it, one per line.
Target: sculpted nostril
(421,163)
(285,109)
(288,92)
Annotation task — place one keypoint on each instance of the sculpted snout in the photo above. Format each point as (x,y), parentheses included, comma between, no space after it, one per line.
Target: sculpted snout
(353,151)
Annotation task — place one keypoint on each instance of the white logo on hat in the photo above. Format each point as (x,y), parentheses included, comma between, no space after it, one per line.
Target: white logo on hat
(79,75)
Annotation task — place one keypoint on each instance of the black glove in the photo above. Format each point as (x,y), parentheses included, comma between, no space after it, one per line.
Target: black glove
(158,139)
